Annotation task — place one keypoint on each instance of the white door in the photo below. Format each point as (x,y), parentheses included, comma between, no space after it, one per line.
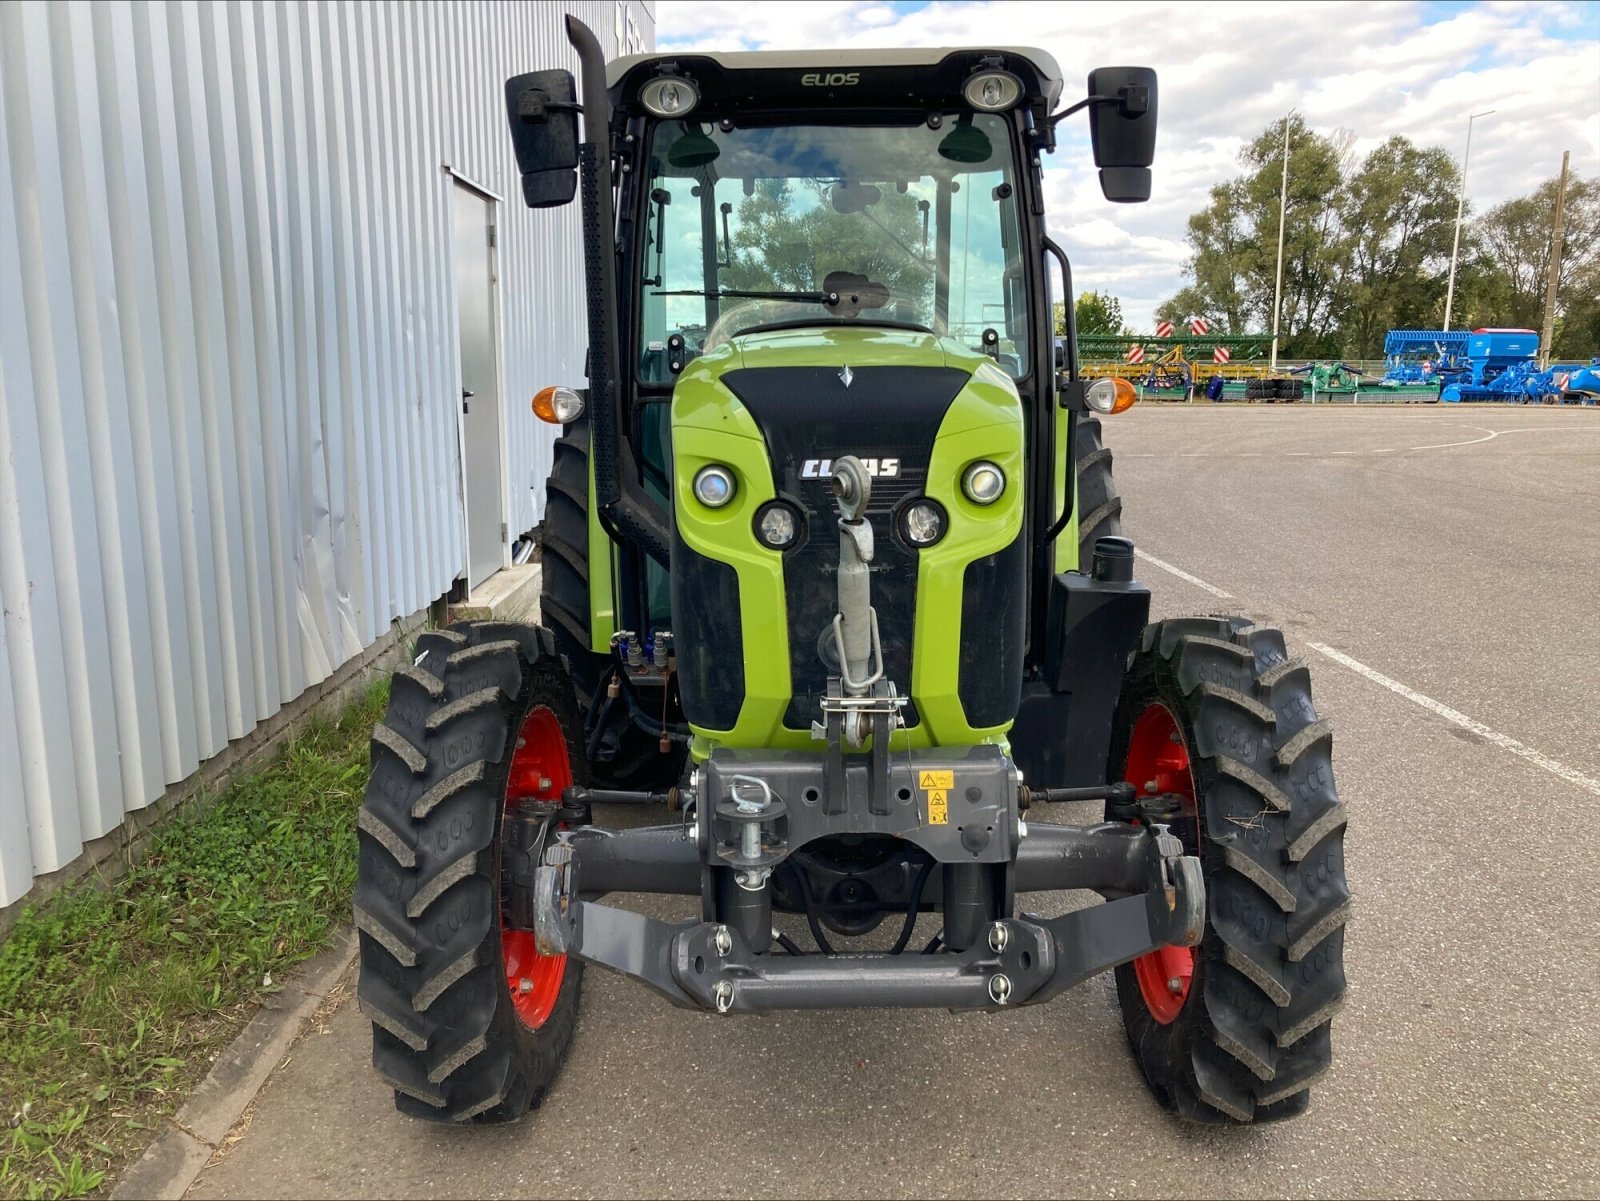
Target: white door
(480,384)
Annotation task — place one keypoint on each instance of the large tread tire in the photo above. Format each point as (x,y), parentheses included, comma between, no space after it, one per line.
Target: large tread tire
(1099,506)
(446,1036)
(564,548)
(1254,1029)
(564,607)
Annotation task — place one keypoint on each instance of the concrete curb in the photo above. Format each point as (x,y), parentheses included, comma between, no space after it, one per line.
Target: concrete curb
(173,1162)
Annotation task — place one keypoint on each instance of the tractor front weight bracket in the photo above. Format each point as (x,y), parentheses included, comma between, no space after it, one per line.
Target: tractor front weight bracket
(1021,960)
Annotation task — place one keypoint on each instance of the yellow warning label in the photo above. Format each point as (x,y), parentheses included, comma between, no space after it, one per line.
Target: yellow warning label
(936,779)
(938,803)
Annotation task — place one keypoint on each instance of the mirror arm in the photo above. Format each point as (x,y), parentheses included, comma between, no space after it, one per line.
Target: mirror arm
(1130,104)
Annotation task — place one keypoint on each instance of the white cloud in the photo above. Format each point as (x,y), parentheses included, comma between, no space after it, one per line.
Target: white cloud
(1228,70)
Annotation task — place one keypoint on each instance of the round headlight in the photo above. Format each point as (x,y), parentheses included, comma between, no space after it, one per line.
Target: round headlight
(983,482)
(777,526)
(669,96)
(993,91)
(714,486)
(923,523)
(1101,395)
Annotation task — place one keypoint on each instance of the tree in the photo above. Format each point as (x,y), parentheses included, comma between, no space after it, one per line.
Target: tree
(1234,239)
(1098,313)
(780,244)
(1513,244)
(1398,214)
(1190,302)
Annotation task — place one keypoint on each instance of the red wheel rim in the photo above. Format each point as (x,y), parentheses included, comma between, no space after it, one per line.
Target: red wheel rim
(1158,762)
(540,770)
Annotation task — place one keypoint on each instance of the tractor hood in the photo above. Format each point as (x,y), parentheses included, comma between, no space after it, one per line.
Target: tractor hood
(775,408)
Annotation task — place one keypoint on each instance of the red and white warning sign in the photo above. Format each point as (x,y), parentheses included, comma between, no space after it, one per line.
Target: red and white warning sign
(1135,353)
(1198,326)
(1164,329)
(1220,355)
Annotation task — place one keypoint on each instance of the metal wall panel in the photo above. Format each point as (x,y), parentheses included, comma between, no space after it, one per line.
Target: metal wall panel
(229,399)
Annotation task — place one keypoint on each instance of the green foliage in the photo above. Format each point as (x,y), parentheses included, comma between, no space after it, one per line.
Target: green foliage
(1367,249)
(1513,249)
(782,244)
(113,1000)
(1098,313)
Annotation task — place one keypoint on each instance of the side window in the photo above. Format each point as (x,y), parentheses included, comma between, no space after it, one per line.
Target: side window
(988,289)
(671,262)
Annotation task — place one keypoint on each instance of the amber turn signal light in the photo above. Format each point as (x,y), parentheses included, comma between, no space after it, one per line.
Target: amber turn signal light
(557,405)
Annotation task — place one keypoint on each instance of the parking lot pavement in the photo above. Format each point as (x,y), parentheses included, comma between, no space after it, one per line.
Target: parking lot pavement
(1439,567)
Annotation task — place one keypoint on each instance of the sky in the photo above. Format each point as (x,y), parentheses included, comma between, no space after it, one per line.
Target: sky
(1227,71)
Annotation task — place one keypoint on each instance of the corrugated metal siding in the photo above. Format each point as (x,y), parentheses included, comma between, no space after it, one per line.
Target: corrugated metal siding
(229,421)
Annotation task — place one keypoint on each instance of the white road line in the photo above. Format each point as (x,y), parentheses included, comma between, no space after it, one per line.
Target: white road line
(1487,435)
(1183,575)
(1504,741)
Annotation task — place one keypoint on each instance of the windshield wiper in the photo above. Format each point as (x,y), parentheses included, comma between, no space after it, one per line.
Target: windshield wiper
(741,294)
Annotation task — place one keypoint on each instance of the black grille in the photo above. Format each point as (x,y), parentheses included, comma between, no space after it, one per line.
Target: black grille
(808,413)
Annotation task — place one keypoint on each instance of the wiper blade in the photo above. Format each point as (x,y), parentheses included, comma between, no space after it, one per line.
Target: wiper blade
(740,294)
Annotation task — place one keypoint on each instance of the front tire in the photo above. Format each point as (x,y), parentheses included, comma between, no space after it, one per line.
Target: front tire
(1237,1029)
(1099,506)
(469,1021)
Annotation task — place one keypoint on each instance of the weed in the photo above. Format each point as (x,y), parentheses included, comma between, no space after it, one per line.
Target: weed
(115,1000)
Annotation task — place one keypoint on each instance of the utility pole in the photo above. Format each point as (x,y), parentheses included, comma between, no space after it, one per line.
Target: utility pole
(1461,199)
(1555,266)
(1283,209)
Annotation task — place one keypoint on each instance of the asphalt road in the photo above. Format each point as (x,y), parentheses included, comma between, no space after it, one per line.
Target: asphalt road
(1455,553)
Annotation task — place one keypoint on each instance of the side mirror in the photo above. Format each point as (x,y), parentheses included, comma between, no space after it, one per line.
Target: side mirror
(542,107)
(1124,131)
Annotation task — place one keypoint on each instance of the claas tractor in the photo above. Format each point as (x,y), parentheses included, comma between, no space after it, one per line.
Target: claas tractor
(834,578)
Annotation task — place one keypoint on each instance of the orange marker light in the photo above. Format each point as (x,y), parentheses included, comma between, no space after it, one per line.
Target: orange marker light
(1126,395)
(557,405)
(1111,394)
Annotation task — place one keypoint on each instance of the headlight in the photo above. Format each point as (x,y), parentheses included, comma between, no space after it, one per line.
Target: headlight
(669,96)
(993,91)
(983,482)
(714,486)
(922,522)
(777,525)
(557,405)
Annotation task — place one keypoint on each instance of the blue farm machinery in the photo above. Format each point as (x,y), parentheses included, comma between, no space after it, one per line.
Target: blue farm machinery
(1503,365)
(1418,357)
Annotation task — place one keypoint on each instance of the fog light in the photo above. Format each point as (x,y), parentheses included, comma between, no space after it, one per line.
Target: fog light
(714,486)
(923,523)
(777,526)
(983,482)
(557,405)
(993,91)
(669,96)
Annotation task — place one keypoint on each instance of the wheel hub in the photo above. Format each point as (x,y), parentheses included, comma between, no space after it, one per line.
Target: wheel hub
(540,771)
(1158,764)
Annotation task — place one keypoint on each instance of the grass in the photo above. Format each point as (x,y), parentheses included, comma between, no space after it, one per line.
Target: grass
(115,1000)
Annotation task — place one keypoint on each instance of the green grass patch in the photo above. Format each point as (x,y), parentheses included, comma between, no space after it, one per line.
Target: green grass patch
(115,1000)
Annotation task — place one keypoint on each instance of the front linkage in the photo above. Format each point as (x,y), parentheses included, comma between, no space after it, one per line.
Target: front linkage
(957,809)
(1158,890)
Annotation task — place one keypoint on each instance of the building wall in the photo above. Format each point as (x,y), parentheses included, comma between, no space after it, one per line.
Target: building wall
(229,392)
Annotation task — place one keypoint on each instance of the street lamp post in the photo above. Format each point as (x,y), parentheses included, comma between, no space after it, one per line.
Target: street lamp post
(1461,199)
(1283,210)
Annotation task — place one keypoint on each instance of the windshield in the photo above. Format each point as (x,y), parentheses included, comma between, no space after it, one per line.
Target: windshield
(911,226)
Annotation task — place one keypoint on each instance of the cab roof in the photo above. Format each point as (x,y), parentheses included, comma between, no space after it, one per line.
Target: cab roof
(813,78)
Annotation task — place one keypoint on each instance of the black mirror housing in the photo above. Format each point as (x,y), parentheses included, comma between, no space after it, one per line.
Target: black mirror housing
(542,108)
(1123,130)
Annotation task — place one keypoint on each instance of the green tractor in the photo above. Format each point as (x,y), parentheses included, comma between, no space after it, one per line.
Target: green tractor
(834,576)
